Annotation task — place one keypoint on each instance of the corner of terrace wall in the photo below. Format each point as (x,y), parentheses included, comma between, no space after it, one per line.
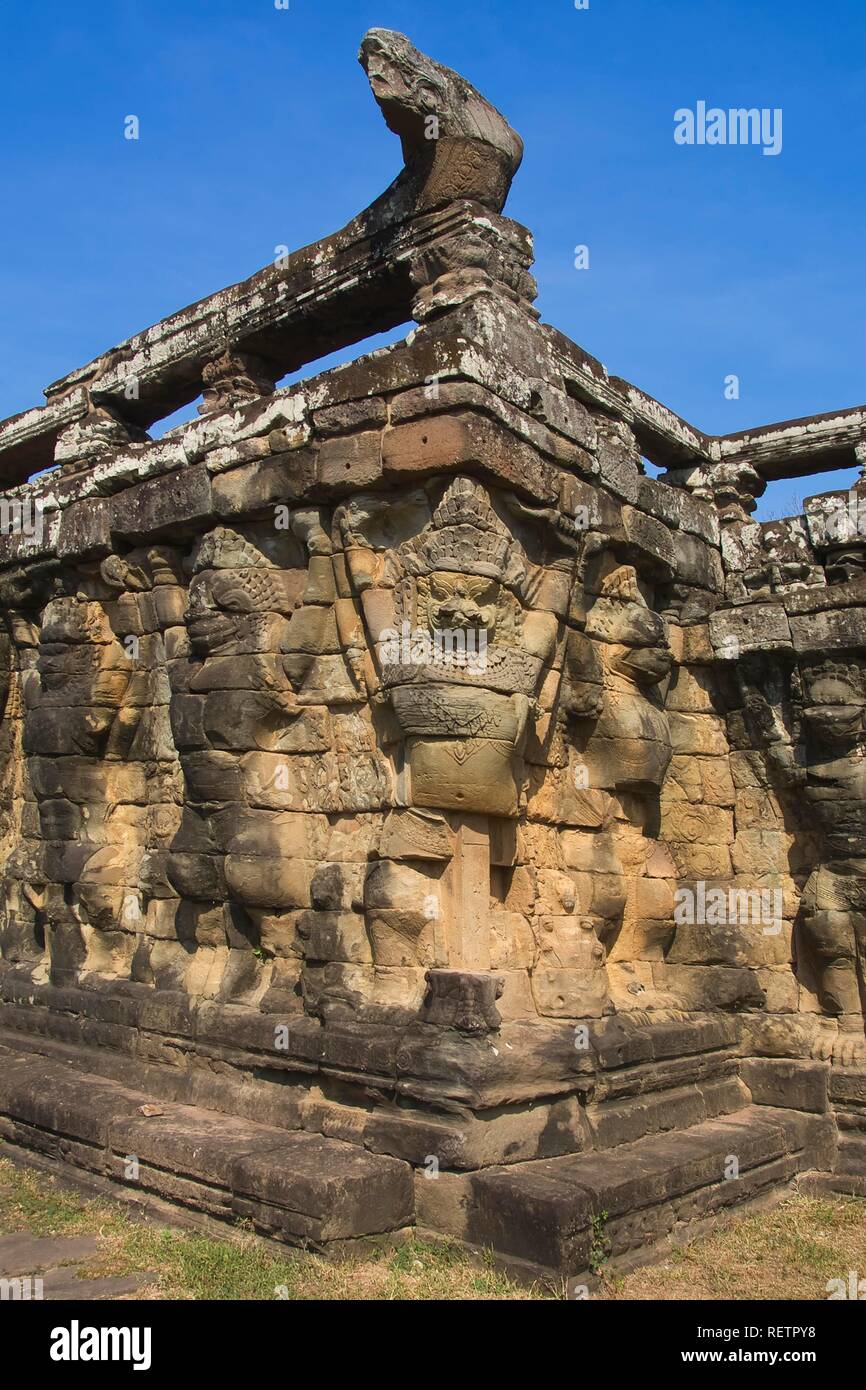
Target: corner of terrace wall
(390,765)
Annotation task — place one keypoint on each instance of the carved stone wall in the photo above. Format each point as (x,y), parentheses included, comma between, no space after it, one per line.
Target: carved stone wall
(392,754)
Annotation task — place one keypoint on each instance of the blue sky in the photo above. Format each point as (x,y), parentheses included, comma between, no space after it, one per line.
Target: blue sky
(258,129)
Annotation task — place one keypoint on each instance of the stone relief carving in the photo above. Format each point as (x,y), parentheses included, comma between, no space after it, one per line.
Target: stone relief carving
(389,755)
(833,910)
(446,709)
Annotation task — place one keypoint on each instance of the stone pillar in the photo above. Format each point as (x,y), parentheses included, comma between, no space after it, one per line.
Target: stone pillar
(234,378)
(469,931)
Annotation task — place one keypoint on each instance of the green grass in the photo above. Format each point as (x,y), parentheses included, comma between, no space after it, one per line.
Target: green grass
(188,1265)
(787,1252)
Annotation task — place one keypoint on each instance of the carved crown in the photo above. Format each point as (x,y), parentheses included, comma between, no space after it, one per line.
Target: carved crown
(465,534)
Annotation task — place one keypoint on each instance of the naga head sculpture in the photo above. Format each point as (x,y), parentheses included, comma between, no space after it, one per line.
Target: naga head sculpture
(236,598)
(437,114)
(635,637)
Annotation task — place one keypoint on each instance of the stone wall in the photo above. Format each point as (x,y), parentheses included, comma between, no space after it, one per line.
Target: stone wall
(395,734)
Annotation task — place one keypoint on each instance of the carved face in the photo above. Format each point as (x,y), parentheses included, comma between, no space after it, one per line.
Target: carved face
(225,609)
(643,665)
(636,637)
(835,713)
(404,82)
(644,654)
(73,672)
(211,630)
(462,602)
(61,665)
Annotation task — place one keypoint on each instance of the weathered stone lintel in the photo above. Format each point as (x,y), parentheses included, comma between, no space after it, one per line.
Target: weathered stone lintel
(320,300)
(797,448)
(307,308)
(365,425)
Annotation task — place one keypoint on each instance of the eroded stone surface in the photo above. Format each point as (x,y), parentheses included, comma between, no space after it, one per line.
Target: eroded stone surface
(390,750)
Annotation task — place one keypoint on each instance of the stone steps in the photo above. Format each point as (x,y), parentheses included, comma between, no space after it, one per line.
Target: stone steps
(849,1174)
(298,1187)
(569,1215)
(650,1164)
(658,1078)
(612,1123)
